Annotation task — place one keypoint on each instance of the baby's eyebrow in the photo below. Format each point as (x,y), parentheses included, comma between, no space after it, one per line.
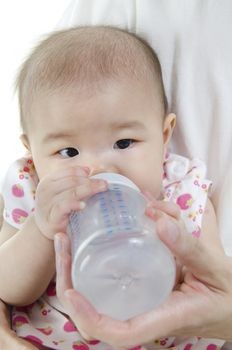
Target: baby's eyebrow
(52,136)
(128,125)
(116,125)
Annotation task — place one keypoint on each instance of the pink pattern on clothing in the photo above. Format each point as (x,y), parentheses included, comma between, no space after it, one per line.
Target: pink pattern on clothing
(34,339)
(17,190)
(19,215)
(44,322)
(69,327)
(184,183)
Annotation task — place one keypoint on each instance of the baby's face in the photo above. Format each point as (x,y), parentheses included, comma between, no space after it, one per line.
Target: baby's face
(119,129)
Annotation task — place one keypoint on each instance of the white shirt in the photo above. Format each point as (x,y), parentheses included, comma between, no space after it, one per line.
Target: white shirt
(193,41)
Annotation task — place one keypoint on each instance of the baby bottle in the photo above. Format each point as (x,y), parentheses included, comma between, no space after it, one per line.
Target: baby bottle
(118,262)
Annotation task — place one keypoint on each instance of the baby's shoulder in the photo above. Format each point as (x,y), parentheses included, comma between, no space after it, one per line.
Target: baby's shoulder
(18,191)
(21,171)
(177,168)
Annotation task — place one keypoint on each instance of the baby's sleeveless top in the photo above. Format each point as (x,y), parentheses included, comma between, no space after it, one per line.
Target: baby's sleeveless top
(44,321)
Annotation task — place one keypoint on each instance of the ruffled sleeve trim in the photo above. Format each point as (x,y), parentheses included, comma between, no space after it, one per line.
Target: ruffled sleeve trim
(184,183)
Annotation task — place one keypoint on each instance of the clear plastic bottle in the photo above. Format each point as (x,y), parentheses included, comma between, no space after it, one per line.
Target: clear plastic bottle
(119,263)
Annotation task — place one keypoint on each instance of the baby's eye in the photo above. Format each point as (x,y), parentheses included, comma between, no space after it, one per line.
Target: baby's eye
(124,143)
(68,152)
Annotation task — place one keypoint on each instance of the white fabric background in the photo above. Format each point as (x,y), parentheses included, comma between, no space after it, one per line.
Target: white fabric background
(22,24)
(193,41)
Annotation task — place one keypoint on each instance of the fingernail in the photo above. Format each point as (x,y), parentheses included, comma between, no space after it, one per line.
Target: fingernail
(82,205)
(150,211)
(101,184)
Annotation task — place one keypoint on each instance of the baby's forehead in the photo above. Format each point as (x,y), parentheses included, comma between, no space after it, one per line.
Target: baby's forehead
(106,98)
(78,96)
(87,58)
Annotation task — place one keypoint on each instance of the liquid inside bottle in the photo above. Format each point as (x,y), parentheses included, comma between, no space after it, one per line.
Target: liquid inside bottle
(119,264)
(126,276)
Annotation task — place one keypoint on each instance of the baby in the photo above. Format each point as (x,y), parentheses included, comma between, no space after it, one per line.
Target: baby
(91,100)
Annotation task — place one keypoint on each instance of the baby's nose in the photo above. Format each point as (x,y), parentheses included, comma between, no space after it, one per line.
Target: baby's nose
(94,170)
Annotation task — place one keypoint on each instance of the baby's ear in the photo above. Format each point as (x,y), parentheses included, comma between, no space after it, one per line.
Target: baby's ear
(169,125)
(25,141)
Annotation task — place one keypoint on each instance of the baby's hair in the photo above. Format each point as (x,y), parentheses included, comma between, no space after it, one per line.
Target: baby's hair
(88,56)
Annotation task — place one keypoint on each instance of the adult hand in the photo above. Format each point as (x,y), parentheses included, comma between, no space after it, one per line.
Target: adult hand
(8,338)
(200,306)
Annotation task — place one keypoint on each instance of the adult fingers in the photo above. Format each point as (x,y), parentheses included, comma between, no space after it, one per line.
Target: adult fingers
(63,264)
(83,314)
(155,207)
(169,318)
(121,334)
(63,268)
(208,264)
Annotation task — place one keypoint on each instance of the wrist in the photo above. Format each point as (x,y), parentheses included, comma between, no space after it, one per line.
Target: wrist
(42,231)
